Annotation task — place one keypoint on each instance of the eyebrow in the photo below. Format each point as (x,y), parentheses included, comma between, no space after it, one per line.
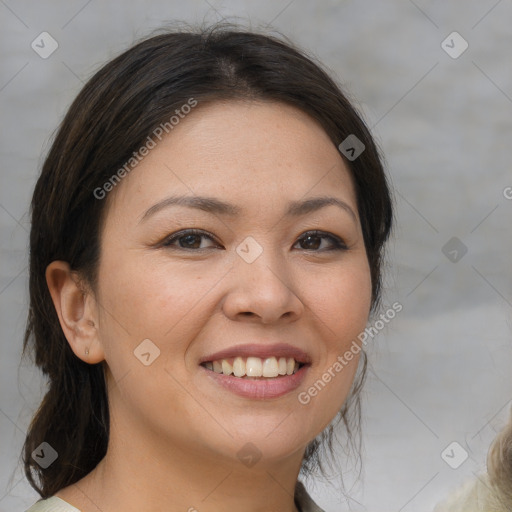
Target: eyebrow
(218,207)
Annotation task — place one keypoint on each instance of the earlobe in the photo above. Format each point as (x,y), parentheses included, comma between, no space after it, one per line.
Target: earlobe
(76,311)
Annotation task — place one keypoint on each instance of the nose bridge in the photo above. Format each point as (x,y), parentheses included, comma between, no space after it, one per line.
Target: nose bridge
(263,283)
(261,262)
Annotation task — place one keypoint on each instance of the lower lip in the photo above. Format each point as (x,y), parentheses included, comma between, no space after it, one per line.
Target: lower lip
(260,389)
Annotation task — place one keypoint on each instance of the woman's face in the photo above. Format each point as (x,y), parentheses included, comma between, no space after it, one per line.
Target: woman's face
(248,289)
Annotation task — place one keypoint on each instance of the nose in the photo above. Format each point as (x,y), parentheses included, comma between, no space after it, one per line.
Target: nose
(263,291)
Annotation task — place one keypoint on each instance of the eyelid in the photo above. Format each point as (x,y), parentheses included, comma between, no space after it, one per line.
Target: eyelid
(166,242)
(337,242)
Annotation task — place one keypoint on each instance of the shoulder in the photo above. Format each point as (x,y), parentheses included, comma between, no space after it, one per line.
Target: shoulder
(53,504)
(473,496)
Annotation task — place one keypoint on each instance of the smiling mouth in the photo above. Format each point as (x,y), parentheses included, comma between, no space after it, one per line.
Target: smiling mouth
(255,367)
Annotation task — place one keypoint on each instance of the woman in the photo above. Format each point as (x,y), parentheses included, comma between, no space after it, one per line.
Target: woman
(206,244)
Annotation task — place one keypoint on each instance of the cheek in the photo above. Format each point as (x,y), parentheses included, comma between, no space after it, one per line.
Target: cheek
(147,309)
(342,300)
(342,305)
(145,298)
(164,303)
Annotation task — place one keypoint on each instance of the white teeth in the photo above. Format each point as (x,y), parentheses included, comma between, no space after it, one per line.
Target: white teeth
(253,367)
(239,367)
(282,366)
(227,369)
(270,367)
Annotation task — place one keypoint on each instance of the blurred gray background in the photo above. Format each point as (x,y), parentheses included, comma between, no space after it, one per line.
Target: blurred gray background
(441,370)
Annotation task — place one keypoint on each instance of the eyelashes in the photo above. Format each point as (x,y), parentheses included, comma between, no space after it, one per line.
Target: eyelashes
(336,242)
(187,233)
(192,236)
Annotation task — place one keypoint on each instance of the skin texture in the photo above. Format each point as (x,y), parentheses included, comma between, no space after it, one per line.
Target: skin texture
(174,433)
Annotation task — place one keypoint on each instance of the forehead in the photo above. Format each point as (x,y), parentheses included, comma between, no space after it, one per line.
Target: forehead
(253,152)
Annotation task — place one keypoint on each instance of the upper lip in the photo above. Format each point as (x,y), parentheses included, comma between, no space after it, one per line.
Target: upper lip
(259,350)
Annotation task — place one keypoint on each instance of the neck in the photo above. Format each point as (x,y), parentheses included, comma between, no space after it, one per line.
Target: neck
(136,476)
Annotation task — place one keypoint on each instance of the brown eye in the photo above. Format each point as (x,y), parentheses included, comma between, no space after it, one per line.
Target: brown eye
(187,239)
(312,240)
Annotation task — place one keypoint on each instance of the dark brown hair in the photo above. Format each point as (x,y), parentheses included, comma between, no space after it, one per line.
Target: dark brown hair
(112,116)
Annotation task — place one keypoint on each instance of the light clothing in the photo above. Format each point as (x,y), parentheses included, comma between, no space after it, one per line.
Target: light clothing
(474,496)
(55,504)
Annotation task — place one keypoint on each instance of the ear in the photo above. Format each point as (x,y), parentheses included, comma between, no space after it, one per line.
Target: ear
(77,312)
